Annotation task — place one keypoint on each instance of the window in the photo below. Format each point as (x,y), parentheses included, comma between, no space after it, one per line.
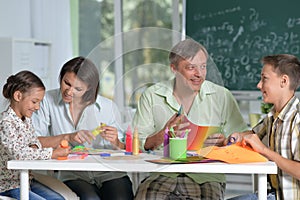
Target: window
(147,37)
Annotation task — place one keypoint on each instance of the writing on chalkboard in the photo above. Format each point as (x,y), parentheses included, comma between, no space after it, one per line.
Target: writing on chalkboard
(238,34)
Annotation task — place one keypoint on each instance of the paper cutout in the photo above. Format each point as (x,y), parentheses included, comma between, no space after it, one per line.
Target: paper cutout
(188,160)
(198,134)
(125,157)
(234,153)
(91,151)
(77,156)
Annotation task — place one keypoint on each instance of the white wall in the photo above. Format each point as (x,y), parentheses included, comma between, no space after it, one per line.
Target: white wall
(15,18)
(44,20)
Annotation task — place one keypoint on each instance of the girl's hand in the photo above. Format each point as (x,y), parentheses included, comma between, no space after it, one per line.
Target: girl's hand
(60,152)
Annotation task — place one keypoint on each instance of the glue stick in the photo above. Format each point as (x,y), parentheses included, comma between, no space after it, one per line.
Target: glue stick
(63,144)
(135,143)
(98,130)
(128,140)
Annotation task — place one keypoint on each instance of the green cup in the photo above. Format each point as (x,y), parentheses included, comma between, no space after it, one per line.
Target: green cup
(177,148)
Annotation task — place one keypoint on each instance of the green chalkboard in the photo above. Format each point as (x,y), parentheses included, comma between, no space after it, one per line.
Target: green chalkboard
(238,33)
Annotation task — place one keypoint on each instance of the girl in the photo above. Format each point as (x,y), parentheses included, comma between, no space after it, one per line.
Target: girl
(17,139)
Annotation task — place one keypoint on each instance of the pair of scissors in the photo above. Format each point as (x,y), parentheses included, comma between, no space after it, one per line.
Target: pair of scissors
(231,141)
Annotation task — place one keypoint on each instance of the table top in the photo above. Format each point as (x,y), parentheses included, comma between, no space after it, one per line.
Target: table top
(119,162)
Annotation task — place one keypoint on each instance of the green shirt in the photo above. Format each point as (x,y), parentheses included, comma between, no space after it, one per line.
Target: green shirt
(214,106)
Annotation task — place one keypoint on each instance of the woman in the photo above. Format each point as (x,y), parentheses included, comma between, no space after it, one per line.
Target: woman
(77,109)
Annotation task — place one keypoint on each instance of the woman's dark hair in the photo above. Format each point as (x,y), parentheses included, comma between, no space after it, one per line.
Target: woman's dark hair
(87,72)
(23,81)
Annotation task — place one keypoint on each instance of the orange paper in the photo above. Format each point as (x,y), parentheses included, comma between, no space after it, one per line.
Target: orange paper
(234,153)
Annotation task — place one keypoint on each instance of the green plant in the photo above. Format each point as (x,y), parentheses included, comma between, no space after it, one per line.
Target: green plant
(266,107)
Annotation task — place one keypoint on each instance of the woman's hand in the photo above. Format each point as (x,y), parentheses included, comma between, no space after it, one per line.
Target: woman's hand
(110,134)
(82,136)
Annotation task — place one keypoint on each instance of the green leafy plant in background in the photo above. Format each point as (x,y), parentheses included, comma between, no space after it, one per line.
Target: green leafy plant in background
(266,107)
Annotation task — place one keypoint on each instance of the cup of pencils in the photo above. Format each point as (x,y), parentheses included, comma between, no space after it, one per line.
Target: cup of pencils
(178,148)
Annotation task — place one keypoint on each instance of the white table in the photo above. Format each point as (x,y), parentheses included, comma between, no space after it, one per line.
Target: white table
(97,163)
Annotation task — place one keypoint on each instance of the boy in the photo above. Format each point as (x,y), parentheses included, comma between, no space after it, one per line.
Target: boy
(280,78)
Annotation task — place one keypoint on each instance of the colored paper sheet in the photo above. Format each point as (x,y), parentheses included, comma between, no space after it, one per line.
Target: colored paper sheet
(188,160)
(198,135)
(234,153)
(91,151)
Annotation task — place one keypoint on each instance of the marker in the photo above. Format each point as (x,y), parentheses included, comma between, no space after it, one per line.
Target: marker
(185,133)
(105,154)
(182,134)
(166,143)
(172,132)
(180,111)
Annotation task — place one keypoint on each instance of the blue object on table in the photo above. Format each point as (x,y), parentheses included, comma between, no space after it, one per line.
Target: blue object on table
(104,154)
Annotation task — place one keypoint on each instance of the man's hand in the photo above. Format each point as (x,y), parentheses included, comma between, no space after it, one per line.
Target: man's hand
(216,139)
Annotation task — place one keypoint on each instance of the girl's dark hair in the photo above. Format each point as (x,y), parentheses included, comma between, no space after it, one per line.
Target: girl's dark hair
(87,72)
(285,64)
(23,81)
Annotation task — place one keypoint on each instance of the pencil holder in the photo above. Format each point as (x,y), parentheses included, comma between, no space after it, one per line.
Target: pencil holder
(178,148)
